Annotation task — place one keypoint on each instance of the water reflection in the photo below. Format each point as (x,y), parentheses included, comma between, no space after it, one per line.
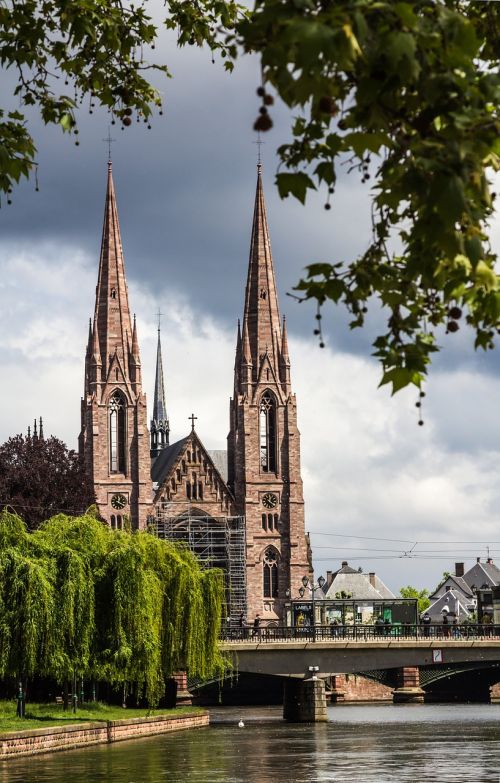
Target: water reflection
(360,744)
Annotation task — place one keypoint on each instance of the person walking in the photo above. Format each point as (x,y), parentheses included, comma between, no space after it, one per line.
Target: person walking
(256,625)
(242,625)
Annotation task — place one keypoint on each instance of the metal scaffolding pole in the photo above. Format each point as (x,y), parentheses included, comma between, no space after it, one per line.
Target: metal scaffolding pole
(218,542)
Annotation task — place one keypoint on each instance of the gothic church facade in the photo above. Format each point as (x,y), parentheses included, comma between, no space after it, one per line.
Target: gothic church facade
(254,490)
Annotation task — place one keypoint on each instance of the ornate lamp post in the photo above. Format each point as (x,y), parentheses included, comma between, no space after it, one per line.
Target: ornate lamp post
(312,587)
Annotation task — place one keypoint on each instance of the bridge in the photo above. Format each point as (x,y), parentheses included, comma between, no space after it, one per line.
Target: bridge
(404,657)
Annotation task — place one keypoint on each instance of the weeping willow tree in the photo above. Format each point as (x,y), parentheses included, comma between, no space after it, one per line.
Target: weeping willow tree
(79,599)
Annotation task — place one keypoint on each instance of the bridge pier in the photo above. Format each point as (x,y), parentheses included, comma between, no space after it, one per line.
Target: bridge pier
(304,701)
(408,686)
(184,697)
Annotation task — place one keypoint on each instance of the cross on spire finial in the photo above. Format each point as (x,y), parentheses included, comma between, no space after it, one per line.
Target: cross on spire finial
(159,315)
(192,419)
(259,144)
(109,141)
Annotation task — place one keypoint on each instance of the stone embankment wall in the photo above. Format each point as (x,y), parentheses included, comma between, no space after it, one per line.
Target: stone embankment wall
(352,687)
(33,741)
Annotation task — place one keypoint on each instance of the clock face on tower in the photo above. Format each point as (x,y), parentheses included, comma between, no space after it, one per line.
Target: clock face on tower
(269,500)
(119,501)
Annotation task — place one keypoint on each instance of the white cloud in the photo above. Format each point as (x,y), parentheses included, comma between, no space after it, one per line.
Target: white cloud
(368,469)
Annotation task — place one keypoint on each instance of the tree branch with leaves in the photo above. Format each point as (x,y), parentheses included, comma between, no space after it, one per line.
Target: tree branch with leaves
(405,93)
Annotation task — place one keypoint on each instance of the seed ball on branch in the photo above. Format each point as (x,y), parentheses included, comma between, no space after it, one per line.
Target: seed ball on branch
(268,100)
(455,312)
(453,326)
(128,112)
(261,92)
(127,121)
(327,105)
(263,123)
(263,110)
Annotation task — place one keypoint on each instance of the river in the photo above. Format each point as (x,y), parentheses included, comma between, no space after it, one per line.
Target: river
(360,744)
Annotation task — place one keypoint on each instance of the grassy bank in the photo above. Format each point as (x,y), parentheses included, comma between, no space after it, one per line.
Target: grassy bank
(41,716)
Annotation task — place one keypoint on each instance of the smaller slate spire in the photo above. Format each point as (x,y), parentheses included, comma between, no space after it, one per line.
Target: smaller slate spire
(160,426)
(41,428)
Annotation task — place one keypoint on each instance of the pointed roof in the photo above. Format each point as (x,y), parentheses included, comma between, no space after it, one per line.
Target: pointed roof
(112,312)
(96,351)
(284,344)
(261,319)
(135,343)
(166,459)
(159,405)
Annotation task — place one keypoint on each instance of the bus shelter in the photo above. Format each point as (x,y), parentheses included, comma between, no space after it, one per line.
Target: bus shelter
(352,611)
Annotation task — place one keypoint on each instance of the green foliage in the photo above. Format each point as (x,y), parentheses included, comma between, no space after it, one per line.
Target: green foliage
(76,597)
(406,94)
(66,52)
(422,596)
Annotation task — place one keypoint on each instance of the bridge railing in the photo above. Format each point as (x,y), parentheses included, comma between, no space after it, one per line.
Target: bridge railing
(359,633)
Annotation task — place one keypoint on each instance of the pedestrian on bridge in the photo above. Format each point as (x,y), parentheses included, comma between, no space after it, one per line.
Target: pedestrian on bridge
(426,621)
(256,626)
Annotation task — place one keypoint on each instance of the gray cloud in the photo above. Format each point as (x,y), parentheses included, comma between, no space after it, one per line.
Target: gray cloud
(185,195)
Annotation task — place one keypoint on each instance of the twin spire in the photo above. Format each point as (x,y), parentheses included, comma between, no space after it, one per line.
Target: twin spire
(262,334)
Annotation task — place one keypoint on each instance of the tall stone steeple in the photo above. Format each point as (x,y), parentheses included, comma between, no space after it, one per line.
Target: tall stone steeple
(114,435)
(263,441)
(160,427)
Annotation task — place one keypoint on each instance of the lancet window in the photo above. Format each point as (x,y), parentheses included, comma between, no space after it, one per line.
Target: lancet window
(270,573)
(267,433)
(117,419)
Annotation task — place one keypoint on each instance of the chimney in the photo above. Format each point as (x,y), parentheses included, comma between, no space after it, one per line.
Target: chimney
(490,561)
(448,587)
(344,563)
(371,577)
(459,569)
(329,578)
(478,559)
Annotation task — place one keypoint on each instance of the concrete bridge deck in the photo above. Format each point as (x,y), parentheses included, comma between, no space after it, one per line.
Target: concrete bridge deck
(293,657)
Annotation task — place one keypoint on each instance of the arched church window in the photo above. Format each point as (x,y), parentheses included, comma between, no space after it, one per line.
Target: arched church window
(117,418)
(189,456)
(270,573)
(188,490)
(276,520)
(112,293)
(263,293)
(267,428)
(264,521)
(195,487)
(113,522)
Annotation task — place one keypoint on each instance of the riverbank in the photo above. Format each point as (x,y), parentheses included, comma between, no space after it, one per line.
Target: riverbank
(47,728)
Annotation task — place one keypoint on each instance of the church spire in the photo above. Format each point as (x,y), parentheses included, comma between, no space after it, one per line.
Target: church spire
(261,317)
(112,312)
(160,427)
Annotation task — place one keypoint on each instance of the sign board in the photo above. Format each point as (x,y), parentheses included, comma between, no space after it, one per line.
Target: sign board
(437,656)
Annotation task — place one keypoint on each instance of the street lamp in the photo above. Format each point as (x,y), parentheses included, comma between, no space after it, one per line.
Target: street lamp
(312,587)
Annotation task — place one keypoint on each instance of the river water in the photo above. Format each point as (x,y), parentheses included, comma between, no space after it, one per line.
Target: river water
(360,744)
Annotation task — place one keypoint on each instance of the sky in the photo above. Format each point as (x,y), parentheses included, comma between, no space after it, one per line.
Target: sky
(378,488)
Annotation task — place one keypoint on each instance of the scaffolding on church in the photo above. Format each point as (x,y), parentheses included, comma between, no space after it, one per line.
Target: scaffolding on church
(218,542)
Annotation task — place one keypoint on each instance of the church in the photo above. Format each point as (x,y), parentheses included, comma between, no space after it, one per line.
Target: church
(240,509)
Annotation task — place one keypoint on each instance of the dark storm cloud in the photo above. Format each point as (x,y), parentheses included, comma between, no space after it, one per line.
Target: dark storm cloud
(185,195)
